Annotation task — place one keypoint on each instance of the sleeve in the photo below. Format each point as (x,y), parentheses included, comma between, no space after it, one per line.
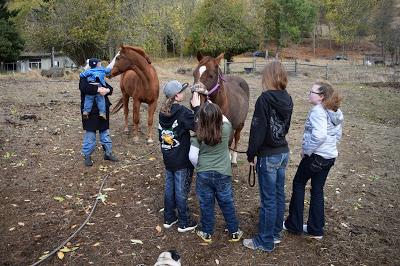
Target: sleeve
(188,118)
(339,133)
(87,88)
(84,74)
(258,130)
(194,151)
(107,71)
(319,132)
(108,86)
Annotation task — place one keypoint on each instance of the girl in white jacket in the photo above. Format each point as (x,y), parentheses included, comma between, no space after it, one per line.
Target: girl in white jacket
(322,131)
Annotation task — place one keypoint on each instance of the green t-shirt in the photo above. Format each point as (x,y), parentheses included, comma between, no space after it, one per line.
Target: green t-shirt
(215,158)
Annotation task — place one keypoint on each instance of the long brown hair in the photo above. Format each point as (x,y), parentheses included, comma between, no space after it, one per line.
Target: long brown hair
(331,99)
(166,107)
(209,127)
(274,76)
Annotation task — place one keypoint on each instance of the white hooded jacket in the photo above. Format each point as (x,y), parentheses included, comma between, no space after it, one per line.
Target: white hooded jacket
(323,129)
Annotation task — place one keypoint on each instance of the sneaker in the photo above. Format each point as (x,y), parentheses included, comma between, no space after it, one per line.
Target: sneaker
(284,226)
(249,243)
(103,116)
(110,157)
(305,231)
(277,241)
(169,224)
(85,115)
(189,227)
(88,161)
(235,237)
(205,236)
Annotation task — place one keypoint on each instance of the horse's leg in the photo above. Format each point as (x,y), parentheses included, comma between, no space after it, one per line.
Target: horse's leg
(236,141)
(150,118)
(125,98)
(136,119)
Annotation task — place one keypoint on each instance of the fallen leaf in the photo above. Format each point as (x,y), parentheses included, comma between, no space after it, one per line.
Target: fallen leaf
(21,224)
(60,255)
(118,215)
(217,261)
(136,241)
(45,254)
(65,249)
(102,197)
(158,228)
(96,244)
(59,198)
(152,158)
(11,229)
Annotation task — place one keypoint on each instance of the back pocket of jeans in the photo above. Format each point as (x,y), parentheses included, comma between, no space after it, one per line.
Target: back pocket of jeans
(318,163)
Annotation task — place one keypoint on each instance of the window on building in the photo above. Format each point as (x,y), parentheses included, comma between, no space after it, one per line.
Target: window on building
(35,63)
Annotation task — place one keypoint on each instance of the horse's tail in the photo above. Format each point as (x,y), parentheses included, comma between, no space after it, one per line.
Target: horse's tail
(245,86)
(118,106)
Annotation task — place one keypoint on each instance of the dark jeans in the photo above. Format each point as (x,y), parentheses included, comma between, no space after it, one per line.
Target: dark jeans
(316,168)
(212,185)
(89,100)
(177,188)
(271,179)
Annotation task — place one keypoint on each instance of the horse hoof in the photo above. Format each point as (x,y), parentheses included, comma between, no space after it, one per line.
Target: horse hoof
(126,131)
(150,141)
(234,165)
(136,139)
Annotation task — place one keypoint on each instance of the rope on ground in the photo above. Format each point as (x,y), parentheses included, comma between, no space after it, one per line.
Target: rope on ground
(54,251)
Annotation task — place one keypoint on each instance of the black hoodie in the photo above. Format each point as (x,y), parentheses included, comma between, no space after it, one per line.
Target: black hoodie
(270,124)
(174,137)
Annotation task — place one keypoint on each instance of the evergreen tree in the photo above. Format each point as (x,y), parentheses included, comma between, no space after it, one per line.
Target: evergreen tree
(11,44)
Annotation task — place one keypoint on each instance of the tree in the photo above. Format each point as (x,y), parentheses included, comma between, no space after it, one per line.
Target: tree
(78,28)
(349,18)
(11,44)
(216,29)
(283,21)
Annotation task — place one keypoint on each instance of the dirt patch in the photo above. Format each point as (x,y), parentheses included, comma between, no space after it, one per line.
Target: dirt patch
(40,163)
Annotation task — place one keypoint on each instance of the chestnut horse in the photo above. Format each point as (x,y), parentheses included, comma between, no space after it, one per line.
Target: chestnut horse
(230,93)
(139,80)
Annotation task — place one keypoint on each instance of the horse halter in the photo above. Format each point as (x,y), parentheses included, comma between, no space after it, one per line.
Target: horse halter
(200,88)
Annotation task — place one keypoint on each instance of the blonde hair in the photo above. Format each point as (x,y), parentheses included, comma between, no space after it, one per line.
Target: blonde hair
(274,76)
(331,99)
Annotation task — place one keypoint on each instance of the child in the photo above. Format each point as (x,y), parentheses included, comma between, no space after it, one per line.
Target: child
(322,131)
(175,121)
(210,154)
(95,75)
(267,141)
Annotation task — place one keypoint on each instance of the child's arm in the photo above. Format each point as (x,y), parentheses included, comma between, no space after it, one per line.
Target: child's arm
(194,151)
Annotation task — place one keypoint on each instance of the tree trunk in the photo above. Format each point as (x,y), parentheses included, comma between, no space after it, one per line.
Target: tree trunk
(314,37)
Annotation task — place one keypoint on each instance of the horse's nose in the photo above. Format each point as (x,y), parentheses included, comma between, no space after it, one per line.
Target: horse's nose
(198,87)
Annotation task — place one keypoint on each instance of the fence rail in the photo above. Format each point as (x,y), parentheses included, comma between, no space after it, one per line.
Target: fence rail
(335,71)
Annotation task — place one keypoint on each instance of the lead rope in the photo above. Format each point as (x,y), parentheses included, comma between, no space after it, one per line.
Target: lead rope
(252,179)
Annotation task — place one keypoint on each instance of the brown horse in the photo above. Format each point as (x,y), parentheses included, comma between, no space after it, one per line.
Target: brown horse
(139,80)
(230,93)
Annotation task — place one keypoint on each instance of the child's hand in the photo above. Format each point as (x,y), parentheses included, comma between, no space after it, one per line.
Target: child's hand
(195,101)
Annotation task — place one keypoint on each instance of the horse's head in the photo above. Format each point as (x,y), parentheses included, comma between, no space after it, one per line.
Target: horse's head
(207,76)
(127,58)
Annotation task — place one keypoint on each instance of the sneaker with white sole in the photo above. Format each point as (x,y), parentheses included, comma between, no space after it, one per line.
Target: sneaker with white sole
(205,236)
(189,227)
(235,237)
(249,243)
(168,224)
(305,231)
(277,241)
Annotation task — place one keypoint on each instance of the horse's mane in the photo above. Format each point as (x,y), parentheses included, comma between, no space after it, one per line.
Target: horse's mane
(139,51)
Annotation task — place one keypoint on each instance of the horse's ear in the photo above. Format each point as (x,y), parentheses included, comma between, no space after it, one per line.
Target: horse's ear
(218,59)
(199,56)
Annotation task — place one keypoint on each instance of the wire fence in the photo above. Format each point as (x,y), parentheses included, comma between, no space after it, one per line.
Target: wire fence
(347,71)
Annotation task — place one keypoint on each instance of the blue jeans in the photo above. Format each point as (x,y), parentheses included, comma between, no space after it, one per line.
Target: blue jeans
(271,178)
(211,185)
(316,168)
(88,103)
(177,188)
(89,142)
